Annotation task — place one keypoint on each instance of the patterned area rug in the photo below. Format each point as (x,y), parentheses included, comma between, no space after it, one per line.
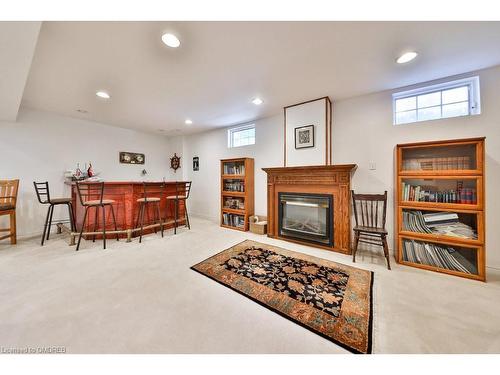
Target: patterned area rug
(331,299)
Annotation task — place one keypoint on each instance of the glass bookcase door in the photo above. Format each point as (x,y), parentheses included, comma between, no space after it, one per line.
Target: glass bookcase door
(441,191)
(441,256)
(460,157)
(233,220)
(234,203)
(450,225)
(234,185)
(234,168)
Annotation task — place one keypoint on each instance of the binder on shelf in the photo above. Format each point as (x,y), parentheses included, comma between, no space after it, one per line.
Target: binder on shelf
(437,256)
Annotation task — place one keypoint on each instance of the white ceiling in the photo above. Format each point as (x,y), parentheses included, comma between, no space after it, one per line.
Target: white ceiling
(17,45)
(221,66)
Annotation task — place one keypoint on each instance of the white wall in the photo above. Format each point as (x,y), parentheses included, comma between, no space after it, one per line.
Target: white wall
(211,146)
(312,113)
(362,132)
(40,146)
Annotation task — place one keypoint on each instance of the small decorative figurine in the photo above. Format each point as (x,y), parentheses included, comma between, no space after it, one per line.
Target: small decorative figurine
(90,170)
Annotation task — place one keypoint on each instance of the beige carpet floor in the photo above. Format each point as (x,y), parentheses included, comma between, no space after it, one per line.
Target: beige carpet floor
(143,298)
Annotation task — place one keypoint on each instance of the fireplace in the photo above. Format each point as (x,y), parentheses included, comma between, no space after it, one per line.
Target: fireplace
(311,205)
(306,217)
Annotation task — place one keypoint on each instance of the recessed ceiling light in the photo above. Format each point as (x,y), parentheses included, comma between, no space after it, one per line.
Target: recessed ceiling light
(103,94)
(188,122)
(171,40)
(406,57)
(257,101)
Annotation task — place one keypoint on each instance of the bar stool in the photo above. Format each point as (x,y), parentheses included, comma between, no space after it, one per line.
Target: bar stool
(182,190)
(8,200)
(143,206)
(96,190)
(43,195)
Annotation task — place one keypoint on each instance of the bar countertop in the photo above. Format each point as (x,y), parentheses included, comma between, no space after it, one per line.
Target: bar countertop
(124,182)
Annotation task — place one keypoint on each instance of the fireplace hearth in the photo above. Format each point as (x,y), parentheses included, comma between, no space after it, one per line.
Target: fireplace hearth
(307,217)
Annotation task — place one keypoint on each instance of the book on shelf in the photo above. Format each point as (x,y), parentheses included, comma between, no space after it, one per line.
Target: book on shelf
(234,203)
(233,220)
(233,168)
(439,217)
(455,230)
(429,194)
(235,185)
(445,257)
(439,223)
(436,164)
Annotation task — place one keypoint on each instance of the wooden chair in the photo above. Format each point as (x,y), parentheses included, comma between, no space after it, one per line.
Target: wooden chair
(369,213)
(147,198)
(8,200)
(94,191)
(43,195)
(182,190)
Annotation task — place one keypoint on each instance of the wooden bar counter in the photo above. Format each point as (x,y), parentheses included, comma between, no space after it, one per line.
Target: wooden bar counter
(125,195)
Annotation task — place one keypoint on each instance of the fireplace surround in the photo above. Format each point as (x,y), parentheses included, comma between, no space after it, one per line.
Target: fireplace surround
(332,181)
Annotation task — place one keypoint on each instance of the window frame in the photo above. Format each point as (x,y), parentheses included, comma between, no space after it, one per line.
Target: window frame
(236,129)
(474,100)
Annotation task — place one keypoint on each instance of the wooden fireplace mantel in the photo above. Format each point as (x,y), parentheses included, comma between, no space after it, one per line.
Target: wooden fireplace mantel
(320,179)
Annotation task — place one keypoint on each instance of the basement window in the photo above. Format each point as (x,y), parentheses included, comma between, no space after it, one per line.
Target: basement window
(449,99)
(241,136)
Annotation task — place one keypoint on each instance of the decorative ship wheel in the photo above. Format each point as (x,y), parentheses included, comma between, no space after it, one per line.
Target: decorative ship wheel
(175,162)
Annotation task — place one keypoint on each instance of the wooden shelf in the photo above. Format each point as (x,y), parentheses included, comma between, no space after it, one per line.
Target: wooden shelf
(473,214)
(233,211)
(440,172)
(440,206)
(235,228)
(233,193)
(440,238)
(247,196)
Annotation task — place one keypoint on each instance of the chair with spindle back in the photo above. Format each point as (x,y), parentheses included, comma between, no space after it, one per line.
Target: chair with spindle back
(182,190)
(8,200)
(94,192)
(43,195)
(369,213)
(149,192)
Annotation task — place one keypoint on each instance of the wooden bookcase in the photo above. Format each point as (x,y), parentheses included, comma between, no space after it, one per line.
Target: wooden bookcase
(237,192)
(441,177)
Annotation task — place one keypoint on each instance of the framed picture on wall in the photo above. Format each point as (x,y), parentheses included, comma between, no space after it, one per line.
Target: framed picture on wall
(196,163)
(132,158)
(304,137)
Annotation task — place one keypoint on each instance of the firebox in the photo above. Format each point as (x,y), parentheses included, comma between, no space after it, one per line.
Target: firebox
(306,217)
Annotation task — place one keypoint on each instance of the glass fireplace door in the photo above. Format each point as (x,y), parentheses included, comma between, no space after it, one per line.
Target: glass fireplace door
(306,217)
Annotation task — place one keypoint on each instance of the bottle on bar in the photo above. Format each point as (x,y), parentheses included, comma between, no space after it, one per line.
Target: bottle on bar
(78,172)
